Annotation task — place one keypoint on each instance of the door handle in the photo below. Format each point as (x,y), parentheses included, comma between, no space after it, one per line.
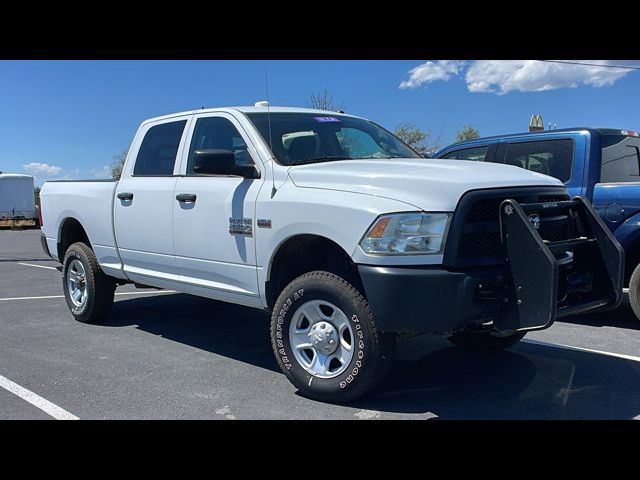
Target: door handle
(186,197)
(125,196)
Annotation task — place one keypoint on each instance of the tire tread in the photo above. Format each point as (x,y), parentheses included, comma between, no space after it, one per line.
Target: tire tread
(383,342)
(101,288)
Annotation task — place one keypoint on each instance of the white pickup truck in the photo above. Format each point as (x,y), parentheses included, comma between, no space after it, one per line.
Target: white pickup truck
(339,229)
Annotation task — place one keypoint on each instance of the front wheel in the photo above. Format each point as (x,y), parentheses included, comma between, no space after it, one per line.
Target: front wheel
(482,340)
(325,339)
(87,290)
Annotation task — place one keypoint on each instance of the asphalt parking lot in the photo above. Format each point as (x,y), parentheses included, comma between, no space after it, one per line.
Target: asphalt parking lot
(164,355)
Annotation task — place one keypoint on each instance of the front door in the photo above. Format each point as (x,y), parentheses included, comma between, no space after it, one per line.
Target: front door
(214,215)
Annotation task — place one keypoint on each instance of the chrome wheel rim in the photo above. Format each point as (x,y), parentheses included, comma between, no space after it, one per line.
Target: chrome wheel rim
(321,338)
(77,283)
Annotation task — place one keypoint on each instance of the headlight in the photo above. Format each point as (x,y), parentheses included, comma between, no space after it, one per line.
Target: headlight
(407,234)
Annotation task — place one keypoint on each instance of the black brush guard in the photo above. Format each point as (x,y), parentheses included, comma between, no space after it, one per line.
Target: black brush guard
(552,280)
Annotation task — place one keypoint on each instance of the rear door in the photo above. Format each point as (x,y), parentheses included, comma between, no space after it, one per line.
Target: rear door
(616,195)
(144,201)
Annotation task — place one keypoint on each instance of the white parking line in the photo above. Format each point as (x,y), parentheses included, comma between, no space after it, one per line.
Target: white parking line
(36,400)
(45,297)
(580,349)
(37,266)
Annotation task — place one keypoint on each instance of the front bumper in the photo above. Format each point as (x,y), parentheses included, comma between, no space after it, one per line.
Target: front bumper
(534,286)
(420,300)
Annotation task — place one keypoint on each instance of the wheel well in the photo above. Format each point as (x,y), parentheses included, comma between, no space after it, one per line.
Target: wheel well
(70,233)
(306,253)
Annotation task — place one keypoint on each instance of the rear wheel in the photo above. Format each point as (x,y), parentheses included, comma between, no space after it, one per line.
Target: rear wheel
(326,341)
(483,339)
(87,290)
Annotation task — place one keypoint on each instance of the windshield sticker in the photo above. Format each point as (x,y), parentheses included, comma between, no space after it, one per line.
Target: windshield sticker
(326,119)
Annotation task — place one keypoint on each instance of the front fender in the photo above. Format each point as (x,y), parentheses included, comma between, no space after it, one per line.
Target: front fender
(341,217)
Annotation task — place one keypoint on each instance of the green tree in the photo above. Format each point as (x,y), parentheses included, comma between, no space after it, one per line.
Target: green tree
(36,195)
(118,163)
(467,133)
(422,141)
(324,101)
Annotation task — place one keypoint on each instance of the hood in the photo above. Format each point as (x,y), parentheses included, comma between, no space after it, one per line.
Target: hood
(429,184)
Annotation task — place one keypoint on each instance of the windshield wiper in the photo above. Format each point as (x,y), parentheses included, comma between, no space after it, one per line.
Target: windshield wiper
(328,158)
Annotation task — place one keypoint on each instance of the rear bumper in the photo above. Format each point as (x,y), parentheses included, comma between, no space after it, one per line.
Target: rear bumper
(418,300)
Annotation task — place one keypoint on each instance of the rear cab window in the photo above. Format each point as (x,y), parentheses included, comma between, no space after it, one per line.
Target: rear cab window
(620,159)
(157,153)
(549,157)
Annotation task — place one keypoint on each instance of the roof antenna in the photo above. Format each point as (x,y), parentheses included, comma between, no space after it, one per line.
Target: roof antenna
(273,178)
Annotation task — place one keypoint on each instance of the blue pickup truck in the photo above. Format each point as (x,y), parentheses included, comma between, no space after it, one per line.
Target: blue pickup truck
(600,164)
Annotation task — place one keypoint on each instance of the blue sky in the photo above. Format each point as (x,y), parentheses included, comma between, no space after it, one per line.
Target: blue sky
(66,119)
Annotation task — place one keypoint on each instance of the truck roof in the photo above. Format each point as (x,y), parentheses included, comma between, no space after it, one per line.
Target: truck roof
(14,176)
(601,131)
(250,109)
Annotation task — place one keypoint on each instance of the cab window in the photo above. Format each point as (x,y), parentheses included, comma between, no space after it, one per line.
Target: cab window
(620,159)
(476,154)
(220,134)
(157,154)
(550,157)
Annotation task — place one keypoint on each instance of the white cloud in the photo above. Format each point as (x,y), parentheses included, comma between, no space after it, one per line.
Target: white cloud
(43,169)
(504,76)
(431,72)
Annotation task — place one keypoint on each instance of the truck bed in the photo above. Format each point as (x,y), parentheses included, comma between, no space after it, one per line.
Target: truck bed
(91,203)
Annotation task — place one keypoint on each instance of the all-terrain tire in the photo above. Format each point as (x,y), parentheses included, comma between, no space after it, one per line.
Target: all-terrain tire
(100,288)
(372,353)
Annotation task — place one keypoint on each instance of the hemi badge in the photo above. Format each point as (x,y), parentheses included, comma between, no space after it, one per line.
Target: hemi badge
(264,223)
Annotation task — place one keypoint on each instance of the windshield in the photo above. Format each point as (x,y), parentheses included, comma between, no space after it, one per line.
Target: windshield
(300,138)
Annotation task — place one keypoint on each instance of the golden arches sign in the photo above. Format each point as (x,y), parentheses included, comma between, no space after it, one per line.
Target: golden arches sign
(536,123)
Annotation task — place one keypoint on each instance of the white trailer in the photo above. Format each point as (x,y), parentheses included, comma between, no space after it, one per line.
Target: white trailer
(17,202)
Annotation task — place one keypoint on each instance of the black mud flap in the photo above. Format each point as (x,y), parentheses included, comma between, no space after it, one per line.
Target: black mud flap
(541,286)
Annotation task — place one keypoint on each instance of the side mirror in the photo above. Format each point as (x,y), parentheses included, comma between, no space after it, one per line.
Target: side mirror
(221,162)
